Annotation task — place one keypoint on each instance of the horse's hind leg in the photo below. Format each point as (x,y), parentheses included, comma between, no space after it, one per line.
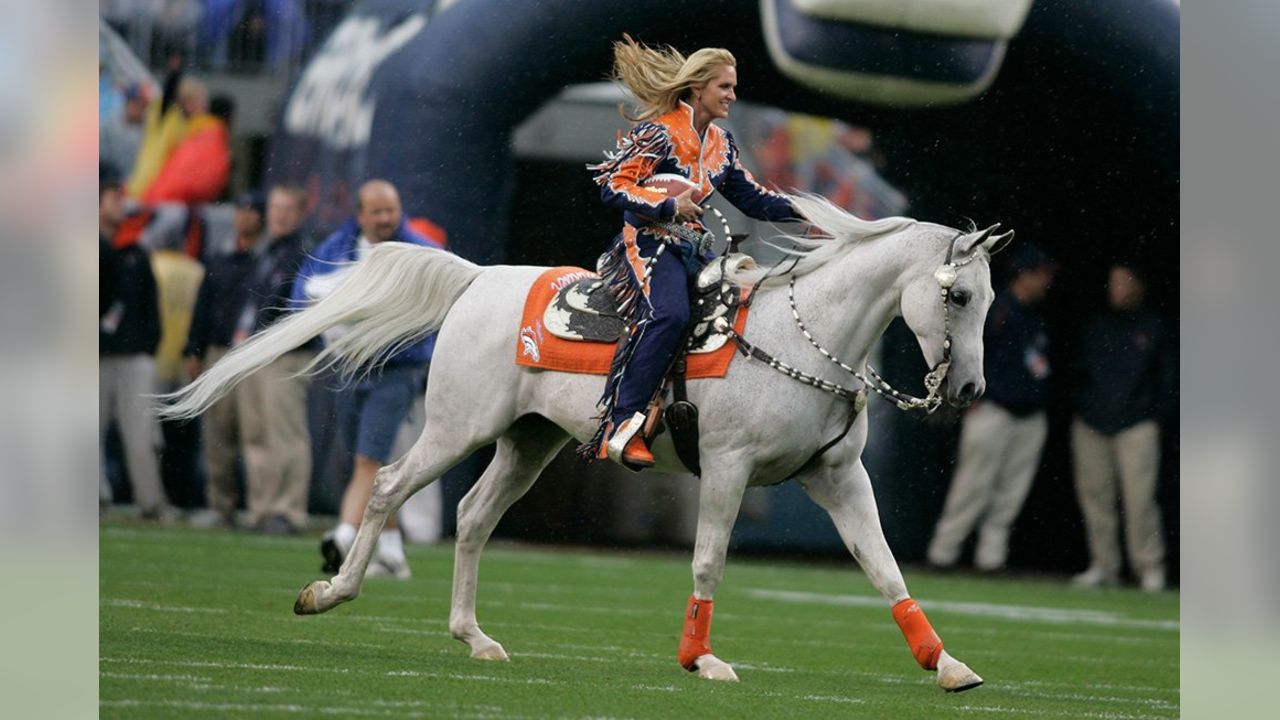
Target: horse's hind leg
(521,455)
(435,452)
(844,491)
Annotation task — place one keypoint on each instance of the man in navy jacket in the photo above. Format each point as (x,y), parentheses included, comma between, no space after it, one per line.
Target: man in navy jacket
(1127,381)
(1003,434)
(370,407)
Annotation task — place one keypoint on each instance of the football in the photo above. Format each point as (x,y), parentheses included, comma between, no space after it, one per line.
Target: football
(672,184)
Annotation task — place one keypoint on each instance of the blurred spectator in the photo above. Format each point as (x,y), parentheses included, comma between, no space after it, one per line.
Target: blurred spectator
(247,33)
(128,333)
(1128,380)
(273,401)
(222,298)
(177,282)
(110,99)
(198,168)
(1003,434)
(120,137)
(175,27)
(165,126)
(370,407)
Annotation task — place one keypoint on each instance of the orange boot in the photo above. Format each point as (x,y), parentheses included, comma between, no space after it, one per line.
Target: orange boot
(626,444)
(695,639)
(925,644)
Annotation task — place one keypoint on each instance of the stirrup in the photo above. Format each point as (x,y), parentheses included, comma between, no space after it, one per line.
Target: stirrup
(626,445)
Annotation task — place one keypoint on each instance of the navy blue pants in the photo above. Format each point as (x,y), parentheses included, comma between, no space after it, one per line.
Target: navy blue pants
(661,316)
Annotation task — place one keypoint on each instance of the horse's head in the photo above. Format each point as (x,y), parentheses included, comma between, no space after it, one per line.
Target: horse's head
(947,302)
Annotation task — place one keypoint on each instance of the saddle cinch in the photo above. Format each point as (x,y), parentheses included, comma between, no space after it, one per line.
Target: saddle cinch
(584,313)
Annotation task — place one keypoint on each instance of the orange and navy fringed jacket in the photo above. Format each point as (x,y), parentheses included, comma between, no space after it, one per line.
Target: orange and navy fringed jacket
(669,144)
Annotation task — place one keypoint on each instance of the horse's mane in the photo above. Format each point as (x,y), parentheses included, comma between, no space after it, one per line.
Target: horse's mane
(834,231)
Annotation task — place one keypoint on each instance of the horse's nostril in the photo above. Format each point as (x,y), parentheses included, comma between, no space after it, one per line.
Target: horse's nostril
(968,391)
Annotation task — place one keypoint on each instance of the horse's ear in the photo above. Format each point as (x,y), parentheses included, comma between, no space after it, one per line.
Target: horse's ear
(999,242)
(973,240)
(988,239)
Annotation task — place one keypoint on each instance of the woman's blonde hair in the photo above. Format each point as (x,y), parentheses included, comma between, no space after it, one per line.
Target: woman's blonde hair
(660,77)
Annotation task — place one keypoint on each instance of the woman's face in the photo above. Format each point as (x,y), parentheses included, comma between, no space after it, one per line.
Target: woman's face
(713,99)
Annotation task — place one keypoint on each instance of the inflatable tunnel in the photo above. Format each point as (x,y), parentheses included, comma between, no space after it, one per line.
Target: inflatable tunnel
(1057,117)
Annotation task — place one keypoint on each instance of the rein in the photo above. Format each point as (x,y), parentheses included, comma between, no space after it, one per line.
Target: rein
(945,275)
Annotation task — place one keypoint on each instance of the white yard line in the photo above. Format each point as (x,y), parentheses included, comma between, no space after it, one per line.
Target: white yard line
(468,677)
(283,640)
(987,709)
(154,677)
(225,708)
(142,605)
(221,665)
(1027,613)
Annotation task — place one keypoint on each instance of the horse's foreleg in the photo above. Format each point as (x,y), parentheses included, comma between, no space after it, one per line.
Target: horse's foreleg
(393,484)
(844,491)
(718,505)
(521,455)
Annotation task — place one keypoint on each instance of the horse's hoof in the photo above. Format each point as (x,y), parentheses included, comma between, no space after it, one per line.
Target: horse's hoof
(955,676)
(711,667)
(308,602)
(490,652)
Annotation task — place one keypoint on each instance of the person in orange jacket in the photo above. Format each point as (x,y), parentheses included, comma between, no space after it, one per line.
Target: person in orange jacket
(200,166)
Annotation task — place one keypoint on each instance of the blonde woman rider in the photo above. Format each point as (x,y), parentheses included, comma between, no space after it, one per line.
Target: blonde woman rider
(678,99)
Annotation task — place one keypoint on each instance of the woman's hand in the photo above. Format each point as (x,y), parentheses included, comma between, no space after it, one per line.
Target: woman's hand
(686,209)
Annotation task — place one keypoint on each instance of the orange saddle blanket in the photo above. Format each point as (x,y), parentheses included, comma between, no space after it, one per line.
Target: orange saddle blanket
(536,347)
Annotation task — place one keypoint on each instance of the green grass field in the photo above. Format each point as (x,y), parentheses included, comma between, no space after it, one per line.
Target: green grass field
(200,624)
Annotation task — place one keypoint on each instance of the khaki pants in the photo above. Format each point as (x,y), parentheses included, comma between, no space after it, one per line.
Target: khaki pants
(1133,455)
(124,382)
(220,435)
(272,405)
(999,456)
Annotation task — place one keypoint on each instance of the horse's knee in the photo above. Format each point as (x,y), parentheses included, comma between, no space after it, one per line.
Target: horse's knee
(469,533)
(386,487)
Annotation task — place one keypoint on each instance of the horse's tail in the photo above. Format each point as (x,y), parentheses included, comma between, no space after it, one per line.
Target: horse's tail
(390,300)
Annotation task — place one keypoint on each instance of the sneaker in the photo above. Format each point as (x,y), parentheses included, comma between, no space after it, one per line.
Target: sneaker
(163,515)
(1096,577)
(383,566)
(332,553)
(1152,580)
(209,519)
(277,525)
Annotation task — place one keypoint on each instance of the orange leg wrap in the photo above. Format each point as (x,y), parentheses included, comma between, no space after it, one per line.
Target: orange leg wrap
(925,644)
(695,640)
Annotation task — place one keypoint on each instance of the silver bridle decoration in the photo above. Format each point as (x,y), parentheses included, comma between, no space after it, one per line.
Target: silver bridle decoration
(946,276)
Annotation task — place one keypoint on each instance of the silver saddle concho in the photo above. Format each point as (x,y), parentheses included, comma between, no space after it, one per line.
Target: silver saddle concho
(586,311)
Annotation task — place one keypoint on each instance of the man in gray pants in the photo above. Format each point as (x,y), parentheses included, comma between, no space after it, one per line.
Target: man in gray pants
(128,332)
(1003,435)
(1128,379)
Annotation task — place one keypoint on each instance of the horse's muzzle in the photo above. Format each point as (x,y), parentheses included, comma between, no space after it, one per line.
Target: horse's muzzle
(966,395)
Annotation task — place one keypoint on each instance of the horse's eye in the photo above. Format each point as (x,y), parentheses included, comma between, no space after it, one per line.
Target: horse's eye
(960,297)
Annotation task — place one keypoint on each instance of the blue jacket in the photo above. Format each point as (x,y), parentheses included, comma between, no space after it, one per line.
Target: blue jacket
(1127,371)
(1017,356)
(340,248)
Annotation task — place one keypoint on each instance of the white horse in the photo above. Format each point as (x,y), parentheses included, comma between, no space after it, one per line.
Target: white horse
(758,426)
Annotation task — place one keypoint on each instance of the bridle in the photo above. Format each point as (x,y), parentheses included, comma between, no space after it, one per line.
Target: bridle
(945,275)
